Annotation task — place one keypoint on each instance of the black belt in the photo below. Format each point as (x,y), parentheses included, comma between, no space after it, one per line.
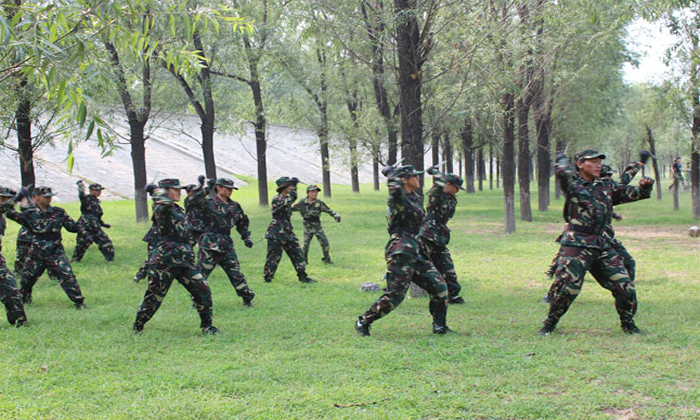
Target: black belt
(52,236)
(221,231)
(585,229)
(313,219)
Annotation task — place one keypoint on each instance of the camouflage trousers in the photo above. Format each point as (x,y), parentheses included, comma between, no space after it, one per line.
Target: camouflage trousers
(207,260)
(85,239)
(143,270)
(10,295)
(606,267)
(275,248)
(401,270)
(629,263)
(56,263)
(161,277)
(315,229)
(442,260)
(21,257)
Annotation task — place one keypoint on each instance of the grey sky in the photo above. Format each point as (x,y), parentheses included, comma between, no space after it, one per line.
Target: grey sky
(650,41)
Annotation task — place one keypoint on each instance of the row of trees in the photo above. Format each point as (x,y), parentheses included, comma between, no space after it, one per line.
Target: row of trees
(517,80)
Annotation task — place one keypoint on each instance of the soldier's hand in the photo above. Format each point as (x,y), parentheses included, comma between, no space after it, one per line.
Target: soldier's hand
(294,180)
(388,171)
(433,170)
(21,194)
(646,182)
(151,188)
(561,157)
(248,243)
(201,179)
(644,156)
(106,225)
(210,183)
(337,218)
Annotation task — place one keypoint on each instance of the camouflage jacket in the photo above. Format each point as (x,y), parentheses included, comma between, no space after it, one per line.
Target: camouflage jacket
(281,225)
(24,235)
(91,212)
(589,205)
(3,225)
(219,218)
(173,248)
(625,178)
(405,216)
(441,208)
(152,237)
(311,212)
(44,226)
(193,214)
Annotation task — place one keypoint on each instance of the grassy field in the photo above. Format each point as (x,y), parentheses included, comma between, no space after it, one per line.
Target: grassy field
(295,354)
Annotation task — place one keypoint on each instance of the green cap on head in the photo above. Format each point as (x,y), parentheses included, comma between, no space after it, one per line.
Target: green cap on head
(96,186)
(312,188)
(43,191)
(171,183)
(455,180)
(6,192)
(226,183)
(406,170)
(588,154)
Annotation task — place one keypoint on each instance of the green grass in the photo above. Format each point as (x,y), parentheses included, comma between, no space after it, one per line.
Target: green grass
(295,354)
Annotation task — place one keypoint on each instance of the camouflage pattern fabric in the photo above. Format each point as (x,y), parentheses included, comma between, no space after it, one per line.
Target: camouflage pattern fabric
(24,240)
(406,258)
(173,258)
(91,231)
(280,237)
(586,247)
(216,245)
(9,294)
(311,214)
(193,217)
(606,267)
(46,251)
(435,235)
(152,237)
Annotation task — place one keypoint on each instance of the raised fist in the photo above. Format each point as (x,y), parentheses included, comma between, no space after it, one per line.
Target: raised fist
(388,171)
(646,182)
(337,218)
(433,170)
(248,243)
(644,156)
(201,180)
(210,183)
(561,156)
(151,188)
(294,180)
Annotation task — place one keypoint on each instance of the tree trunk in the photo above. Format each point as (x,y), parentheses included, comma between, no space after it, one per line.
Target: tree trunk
(207,129)
(467,144)
(675,187)
(435,146)
(208,123)
(138,164)
(508,162)
(491,167)
(498,172)
(481,171)
(448,153)
(353,104)
(544,160)
(524,161)
(375,167)
(557,190)
(652,149)
(325,160)
(260,136)
(23,120)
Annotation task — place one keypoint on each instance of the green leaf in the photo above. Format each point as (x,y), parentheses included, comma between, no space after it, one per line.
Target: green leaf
(90,128)
(82,113)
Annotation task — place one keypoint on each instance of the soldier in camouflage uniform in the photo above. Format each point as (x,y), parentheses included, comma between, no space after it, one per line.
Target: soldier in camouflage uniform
(588,208)
(627,260)
(220,214)
(193,215)
(405,255)
(9,294)
(280,234)
(311,209)
(91,224)
(46,251)
(173,258)
(435,234)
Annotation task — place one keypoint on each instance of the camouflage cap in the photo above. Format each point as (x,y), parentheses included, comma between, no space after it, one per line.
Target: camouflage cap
(170,183)
(6,192)
(226,183)
(606,170)
(43,191)
(406,170)
(282,180)
(96,186)
(588,154)
(312,188)
(455,180)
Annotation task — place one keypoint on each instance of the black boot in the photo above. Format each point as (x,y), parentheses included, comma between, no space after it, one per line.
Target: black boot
(441,329)
(547,328)
(631,328)
(362,328)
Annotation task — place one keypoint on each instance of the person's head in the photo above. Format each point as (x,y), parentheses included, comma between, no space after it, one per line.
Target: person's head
(409,176)
(678,159)
(43,196)
(172,187)
(589,163)
(453,184)
(224,187)
(6,194)
(312,191)
(191,190)
(284,185)
(95,190)
(606,171)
